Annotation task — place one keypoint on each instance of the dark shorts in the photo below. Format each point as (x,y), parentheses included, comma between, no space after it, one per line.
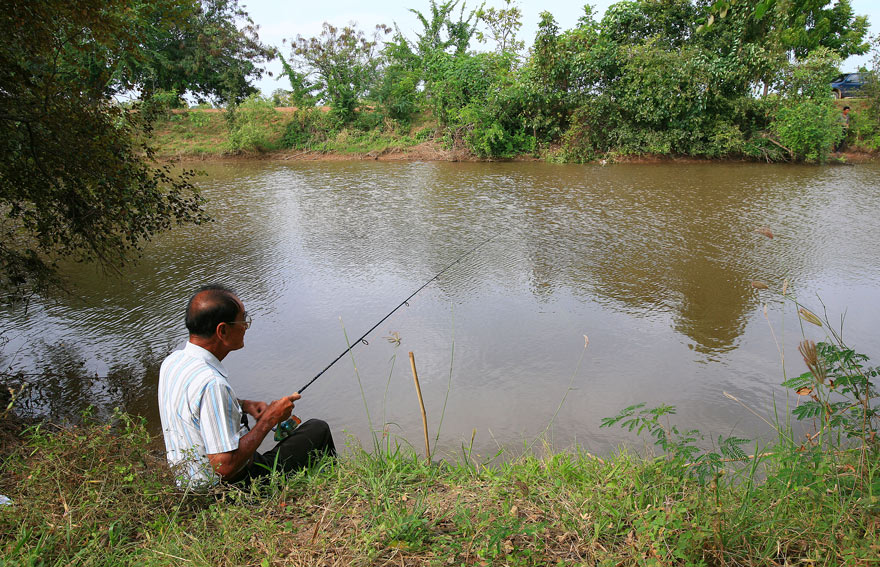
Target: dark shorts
(308,443)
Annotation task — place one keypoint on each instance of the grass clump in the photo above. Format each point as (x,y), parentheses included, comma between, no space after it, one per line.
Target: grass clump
(194,132)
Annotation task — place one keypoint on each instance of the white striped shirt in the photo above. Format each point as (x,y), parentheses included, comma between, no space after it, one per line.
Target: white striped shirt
(199,411)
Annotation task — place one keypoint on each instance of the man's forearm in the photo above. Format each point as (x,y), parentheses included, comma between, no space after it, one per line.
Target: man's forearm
(229,463)
(250,442)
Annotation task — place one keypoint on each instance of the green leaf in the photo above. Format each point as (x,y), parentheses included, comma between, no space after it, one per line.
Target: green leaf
(809,410)
(802,381)
(760,9)
(730,447)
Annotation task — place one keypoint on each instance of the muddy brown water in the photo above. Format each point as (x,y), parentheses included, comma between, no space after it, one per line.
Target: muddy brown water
(652,262)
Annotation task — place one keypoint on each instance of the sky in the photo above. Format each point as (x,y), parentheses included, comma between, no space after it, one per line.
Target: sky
(285,19)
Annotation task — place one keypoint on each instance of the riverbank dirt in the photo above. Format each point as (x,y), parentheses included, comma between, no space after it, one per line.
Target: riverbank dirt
(431,151)
(426,151)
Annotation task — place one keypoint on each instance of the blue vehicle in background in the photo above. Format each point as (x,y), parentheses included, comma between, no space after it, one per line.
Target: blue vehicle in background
(848,85)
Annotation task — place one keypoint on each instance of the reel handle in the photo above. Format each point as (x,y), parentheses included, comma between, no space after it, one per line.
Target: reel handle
(286,427)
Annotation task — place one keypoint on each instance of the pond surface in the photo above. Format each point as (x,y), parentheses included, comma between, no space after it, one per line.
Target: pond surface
(653,262)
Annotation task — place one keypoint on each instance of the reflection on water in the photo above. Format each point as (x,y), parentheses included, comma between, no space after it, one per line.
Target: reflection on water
(653,262)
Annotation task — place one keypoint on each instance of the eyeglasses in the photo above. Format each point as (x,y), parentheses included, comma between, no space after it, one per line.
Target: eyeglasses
(247,322)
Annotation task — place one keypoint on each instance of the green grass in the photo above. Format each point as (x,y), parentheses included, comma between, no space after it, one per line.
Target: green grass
(192,133)
(101,495)
(205,133)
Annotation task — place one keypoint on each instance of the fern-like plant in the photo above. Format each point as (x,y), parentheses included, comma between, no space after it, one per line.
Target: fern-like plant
(681,449)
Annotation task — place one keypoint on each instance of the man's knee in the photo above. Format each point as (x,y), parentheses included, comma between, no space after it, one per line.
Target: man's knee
(317,431)
(315,427)
(315,423)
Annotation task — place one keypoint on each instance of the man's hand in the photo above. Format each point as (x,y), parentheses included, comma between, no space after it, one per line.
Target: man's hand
(253,408)
(279,410)
(230,463)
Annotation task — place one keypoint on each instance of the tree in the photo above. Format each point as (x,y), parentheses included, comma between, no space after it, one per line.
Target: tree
(669,22)
(77,175)
(206,53)
(300,86)
(343,63)
(191,46)
(562,71)
(503,25)
(462,79)
(458,31)
(806,120)
(764,35)
(397,90)
(798,26)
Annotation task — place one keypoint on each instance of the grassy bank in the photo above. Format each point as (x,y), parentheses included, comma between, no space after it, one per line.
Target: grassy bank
(101,495)
(257,129)
(288,133)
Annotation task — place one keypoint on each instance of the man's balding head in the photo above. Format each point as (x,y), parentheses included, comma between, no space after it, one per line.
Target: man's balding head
(209,306)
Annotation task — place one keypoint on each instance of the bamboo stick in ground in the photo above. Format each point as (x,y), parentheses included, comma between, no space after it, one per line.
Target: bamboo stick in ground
(412,363)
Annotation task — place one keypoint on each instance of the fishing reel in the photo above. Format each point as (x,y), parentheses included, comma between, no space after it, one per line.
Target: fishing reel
(286,427)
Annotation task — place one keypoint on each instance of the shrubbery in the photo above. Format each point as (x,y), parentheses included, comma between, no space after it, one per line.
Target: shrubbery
(247,124)
(648,78)
(487,137)
(306,128)
(865,126)
(809,128)
(806,120)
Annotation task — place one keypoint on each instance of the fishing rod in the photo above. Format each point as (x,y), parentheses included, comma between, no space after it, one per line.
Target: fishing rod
(402,303)
(286,427)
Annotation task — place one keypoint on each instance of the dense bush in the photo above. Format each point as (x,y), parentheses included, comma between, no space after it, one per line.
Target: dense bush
(865,125)
(397,92)
(806,121)
(247,124)
(367,121)
(809,128)
(306,128)
(864,130)
(588,134)
(487,137)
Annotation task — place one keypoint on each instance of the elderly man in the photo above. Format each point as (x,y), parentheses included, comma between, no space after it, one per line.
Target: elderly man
(206,438)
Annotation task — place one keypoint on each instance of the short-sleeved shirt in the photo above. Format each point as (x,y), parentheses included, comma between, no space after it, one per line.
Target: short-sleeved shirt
(199,411)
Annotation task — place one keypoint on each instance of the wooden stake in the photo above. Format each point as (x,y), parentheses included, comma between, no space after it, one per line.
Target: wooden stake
(412,363)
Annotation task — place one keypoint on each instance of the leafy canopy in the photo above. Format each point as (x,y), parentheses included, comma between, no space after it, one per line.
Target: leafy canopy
(340,64)
(206,52)
(77,176)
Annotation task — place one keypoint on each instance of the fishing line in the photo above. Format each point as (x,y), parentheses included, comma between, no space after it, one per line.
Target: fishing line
(402,303)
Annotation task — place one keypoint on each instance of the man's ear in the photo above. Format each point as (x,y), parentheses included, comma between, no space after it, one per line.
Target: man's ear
(222,331)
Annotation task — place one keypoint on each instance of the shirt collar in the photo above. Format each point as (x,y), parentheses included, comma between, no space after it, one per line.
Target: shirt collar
(201,353)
